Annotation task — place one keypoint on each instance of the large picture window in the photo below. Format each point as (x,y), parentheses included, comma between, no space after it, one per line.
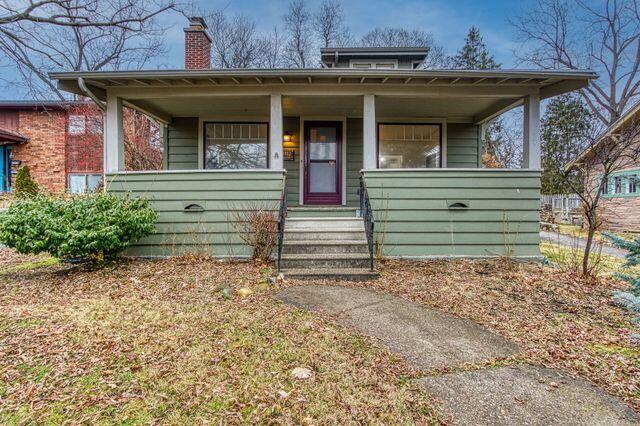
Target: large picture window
(407,146)
(236,145)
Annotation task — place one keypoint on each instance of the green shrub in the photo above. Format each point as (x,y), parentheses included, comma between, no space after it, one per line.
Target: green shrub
(630,299)
(25,186)
(93,227)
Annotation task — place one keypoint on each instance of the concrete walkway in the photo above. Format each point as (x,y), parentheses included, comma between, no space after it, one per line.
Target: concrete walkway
(431,339)
(572,242)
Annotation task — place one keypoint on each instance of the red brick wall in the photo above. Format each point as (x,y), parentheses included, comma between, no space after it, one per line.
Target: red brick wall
(197,50)
(51,152)
(44,153)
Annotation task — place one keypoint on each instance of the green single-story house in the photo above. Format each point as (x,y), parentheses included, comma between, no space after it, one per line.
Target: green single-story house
(368,128)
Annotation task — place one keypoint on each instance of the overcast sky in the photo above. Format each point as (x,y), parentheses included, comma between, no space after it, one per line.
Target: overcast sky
(448,21)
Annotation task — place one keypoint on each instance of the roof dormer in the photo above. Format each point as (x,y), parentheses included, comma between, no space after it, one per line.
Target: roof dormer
(373,57)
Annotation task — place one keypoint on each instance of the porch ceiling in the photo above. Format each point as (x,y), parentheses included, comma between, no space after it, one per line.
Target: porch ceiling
(463,108)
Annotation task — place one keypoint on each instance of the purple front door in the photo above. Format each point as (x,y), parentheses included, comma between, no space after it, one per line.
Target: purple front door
(322,163)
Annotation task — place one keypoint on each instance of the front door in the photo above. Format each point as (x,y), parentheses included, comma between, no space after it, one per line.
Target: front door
(322,165)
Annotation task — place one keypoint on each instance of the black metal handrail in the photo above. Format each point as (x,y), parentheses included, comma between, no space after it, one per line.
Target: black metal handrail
(282,215)
(366,212)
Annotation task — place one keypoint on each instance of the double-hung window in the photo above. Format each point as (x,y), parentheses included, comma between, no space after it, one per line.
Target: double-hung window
(633,184)
(617,185)
(407,146)
(236,145)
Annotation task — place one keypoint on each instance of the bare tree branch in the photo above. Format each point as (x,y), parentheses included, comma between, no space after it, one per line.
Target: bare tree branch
(329,25)
(85,13)
(577,34)
(36,46)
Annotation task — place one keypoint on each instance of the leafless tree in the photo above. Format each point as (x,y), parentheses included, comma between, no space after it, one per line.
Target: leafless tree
(272,49)
(129,14)
(577,34)
(503,141)
(297,50)
(78,35)
(400,37)
(589,176)
(329,25)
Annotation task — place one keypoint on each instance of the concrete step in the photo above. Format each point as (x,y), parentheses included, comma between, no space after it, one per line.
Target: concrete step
(321,211)
(351,274)
(333,234)
(322,260)
(319,223)
(325,246)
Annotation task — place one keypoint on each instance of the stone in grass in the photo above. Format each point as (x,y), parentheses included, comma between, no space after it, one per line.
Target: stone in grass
(245,291)
(225,290)
(301,373)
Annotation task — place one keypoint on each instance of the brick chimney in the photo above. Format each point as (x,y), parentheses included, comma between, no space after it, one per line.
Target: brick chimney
(197,45)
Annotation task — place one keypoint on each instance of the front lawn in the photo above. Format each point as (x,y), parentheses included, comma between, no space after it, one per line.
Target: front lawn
(156,342)
(149,342)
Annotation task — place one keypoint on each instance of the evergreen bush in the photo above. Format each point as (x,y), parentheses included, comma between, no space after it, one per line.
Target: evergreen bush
(93,227)
(25,186)
(630,299)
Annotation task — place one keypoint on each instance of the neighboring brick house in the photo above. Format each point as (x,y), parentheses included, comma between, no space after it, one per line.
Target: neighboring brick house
(619,207)
(61,142)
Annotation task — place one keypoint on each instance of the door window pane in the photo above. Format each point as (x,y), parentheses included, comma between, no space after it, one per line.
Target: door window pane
(236,146)
(405,146)
(322,177)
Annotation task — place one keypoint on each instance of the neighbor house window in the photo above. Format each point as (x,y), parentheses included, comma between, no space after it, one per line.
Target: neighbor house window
(77,124)
(633,184)
(617,185)
(236,146)
(605,188)
(81,183)
(406,146)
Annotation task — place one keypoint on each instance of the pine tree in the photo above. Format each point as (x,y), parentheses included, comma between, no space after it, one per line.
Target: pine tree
(25,185)
(565,129)
(631,298)
(474,54)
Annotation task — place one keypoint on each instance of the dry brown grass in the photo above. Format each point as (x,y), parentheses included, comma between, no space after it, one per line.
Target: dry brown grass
(154,342)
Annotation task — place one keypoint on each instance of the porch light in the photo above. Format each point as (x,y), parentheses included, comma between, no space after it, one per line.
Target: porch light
(287,137)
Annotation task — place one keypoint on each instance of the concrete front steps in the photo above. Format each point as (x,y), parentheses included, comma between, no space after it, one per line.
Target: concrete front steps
(321,211)
(326,248)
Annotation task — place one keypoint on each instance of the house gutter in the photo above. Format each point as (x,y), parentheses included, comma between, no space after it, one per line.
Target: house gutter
(90,94)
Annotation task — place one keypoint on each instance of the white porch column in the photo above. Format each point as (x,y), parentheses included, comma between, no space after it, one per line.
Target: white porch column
(114,136)
(369,157)
(531,153)
(275,132)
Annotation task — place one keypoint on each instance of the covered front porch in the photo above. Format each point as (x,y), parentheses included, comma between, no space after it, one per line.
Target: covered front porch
(308,136)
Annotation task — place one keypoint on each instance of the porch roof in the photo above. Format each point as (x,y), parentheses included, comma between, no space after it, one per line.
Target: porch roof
(550,83)
(480,94)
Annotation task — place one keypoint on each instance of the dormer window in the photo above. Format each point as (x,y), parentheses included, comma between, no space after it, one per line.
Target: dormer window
(373,64)
(373,58)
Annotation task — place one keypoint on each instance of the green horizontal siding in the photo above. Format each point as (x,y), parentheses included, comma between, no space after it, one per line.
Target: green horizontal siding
(218,192)
(354,160)
(462,145)
(413,218)
(182,144)
(291,125)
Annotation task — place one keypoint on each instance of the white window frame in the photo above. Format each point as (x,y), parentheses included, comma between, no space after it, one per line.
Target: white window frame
(373,63)
(85,188)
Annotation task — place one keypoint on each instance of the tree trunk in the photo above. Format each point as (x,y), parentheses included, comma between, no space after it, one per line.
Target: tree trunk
(587,247)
